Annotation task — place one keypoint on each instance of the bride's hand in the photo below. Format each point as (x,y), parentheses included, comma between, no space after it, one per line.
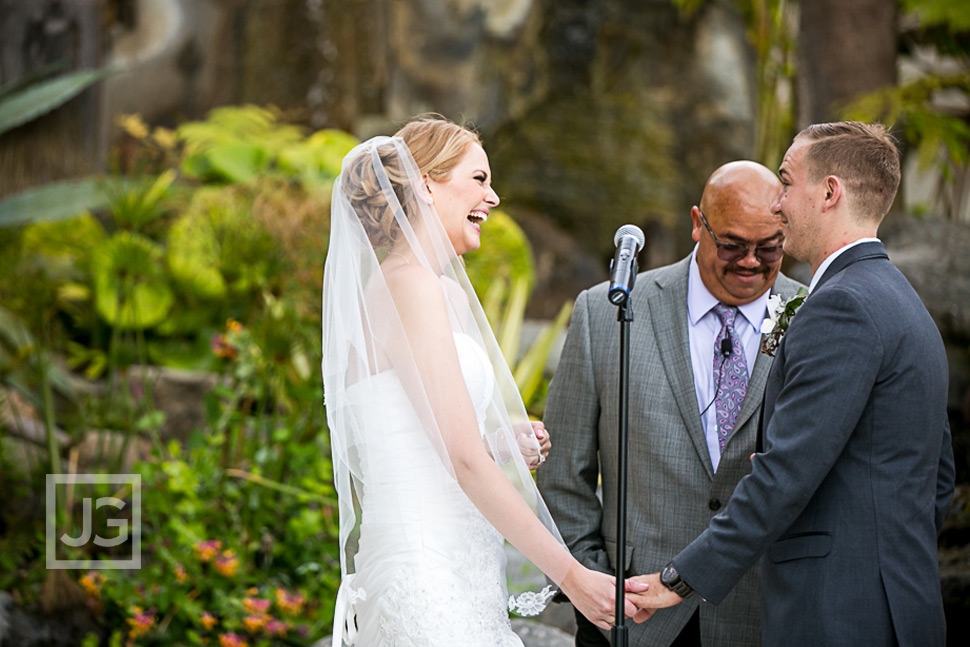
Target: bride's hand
(528,438)
(594,594)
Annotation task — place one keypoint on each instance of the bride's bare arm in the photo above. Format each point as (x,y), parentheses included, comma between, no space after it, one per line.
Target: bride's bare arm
(421,304)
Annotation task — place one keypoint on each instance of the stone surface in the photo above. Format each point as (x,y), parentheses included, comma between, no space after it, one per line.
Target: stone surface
(533,634)
(179,393)
(61,627)
(934,255)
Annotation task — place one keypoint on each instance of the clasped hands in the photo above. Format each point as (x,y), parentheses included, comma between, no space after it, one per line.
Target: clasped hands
(648,593)
(592,592)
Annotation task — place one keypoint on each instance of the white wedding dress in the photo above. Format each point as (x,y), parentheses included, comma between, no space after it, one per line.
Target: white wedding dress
(430,569)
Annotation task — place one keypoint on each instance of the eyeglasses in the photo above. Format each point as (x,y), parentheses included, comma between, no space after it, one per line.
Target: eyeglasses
(733,252)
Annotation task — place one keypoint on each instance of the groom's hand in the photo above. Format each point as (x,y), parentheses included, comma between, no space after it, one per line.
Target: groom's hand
(656,596)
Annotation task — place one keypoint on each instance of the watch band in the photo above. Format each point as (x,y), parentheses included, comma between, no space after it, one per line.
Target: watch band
(670,578)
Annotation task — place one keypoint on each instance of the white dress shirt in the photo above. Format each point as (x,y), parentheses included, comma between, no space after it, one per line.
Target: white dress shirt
(831,257)
(703,326)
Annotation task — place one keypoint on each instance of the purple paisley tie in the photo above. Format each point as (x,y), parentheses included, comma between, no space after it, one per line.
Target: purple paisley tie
(730,374)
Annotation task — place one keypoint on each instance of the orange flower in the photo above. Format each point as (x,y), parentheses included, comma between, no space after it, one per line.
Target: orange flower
(231,640)
(206,550)
(91,583)
(227,563)
(290,603)
(208,620)
(254,623)
(275,628)
(255,605)
(140,622)
(180,574)
(233,326)
(222,348)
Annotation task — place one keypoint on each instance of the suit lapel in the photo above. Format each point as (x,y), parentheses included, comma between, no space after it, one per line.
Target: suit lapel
(860,252)
(755,390)
(669,299)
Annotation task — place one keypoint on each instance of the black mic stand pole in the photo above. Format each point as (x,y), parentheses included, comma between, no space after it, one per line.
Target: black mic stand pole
(624,315)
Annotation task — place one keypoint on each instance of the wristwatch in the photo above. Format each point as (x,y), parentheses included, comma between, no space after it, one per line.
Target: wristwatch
(671,579)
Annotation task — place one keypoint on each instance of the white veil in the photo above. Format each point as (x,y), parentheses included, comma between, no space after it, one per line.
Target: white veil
(379,210)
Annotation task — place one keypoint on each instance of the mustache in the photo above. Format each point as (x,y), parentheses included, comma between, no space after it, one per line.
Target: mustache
(734,267)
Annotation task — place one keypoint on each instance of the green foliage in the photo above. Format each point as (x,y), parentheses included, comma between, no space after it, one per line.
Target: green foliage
(130,287)
(237,143)
(24,104)
(955,16)
(925,109)
(209,255)
(139,207)
(59,200)
(505,308)
(505,254)
(910,106)
(217,247)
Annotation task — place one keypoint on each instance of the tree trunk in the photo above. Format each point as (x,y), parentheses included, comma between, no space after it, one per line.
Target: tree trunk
(67,141)
(845,48)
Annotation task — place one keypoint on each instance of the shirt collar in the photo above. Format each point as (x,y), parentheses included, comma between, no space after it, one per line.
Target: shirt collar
(700,301)
(820,272)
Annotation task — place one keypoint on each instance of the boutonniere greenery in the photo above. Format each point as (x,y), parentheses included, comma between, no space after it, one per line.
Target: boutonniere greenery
(779,316)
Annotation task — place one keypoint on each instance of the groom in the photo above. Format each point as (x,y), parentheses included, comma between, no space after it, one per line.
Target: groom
(848,497)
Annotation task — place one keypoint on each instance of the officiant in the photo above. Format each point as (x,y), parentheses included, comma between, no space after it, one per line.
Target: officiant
(696,382)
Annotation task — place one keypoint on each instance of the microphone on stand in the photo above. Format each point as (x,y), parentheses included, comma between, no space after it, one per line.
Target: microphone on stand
(623,268)
(623,273)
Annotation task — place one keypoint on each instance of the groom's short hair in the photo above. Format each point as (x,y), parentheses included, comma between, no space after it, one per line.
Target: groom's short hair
(863,156)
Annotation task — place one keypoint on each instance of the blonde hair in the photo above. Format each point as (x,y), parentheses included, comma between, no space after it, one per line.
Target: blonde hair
(436,145)
(863,156)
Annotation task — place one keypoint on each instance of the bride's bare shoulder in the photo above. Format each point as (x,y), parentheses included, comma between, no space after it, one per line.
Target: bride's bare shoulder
(414,286)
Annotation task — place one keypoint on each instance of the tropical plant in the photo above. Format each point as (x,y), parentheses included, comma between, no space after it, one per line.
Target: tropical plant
(37,94)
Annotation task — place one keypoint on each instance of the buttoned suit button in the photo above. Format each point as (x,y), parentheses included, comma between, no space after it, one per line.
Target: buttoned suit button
(714,504)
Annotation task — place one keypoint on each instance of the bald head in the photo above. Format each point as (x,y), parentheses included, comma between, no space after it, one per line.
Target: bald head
(736,205)
(739,184)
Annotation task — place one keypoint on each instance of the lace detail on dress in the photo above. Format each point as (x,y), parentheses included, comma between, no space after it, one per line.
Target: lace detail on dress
(531,603)
(437,607)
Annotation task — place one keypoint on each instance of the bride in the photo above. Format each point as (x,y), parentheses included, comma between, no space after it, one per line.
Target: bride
(429,435)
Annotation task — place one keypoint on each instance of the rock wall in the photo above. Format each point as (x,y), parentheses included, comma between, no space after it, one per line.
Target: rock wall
(595,113)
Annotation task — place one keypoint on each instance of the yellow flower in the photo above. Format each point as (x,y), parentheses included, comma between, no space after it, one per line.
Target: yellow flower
(164,137)
(133,125)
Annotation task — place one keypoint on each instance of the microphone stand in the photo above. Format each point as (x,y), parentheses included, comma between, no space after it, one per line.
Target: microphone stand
(624,315)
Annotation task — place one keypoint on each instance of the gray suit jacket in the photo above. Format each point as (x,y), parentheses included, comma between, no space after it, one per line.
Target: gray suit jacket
(848,498)
(672,488)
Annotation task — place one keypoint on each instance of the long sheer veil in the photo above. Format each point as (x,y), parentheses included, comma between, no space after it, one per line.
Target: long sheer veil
(379,209)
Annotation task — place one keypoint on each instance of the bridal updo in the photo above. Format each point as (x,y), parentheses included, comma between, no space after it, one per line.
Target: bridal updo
(436,145)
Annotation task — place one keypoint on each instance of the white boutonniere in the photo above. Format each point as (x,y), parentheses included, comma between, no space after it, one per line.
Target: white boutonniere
(779,316)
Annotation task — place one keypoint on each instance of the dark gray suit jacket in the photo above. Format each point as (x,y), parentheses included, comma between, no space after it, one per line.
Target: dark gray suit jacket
(672,488)
(848,498)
